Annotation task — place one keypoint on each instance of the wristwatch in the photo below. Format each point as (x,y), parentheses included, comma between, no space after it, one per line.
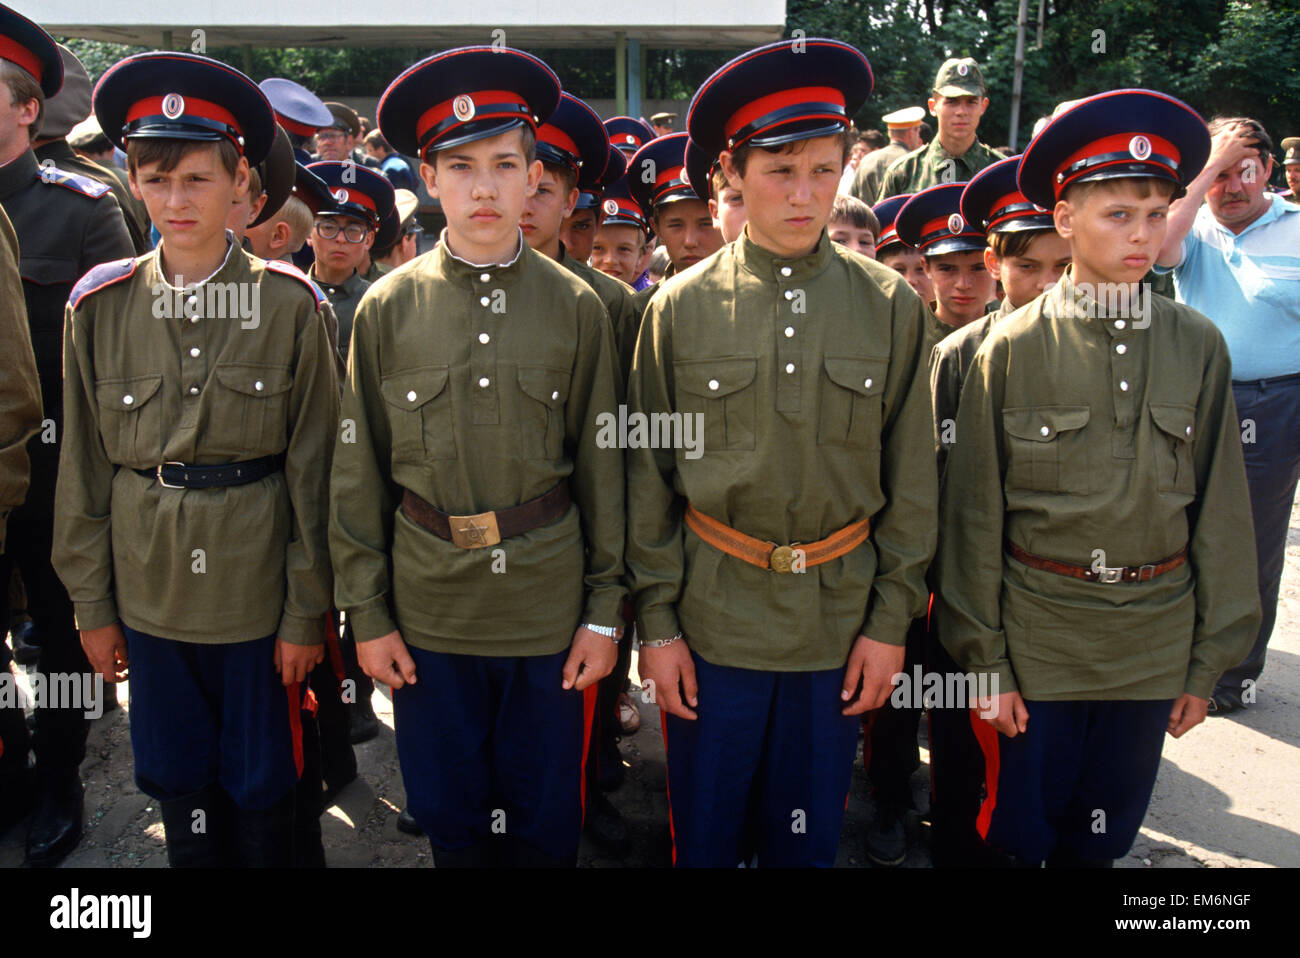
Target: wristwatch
(608,631)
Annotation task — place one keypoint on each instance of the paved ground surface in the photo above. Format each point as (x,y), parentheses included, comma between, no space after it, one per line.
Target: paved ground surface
(1228,793)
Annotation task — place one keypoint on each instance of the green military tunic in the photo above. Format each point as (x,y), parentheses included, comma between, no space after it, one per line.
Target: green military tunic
(950,361)
(931,165)
(870,173)
(619,300)
(376,270)
(478,388)
(344,299)
(1090,441)
(134,211)
(809,374)
(20,388)
(220,565)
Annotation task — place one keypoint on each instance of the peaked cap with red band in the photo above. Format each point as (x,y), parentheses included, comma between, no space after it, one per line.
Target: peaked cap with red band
(629,134)
(23,43)
(656,174)
(183,96)
(312,190)
(620,208)
(779,93)
(466,94)
(993,202)
(887,213)
(358,191)
(699,170)
(931,222)
(297,109)
(1120,134)
(278,173)
(615,167)
(573,136)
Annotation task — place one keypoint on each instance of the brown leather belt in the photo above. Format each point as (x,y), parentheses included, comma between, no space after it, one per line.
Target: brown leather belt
(1133,573)
(769,555)
(487,528)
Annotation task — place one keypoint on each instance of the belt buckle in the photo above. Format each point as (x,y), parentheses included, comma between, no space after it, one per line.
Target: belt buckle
(475,532)
(163,482)
(1110,576)
(781,560)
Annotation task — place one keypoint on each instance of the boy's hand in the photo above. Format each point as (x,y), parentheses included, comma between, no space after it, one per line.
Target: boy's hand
(294,662)
(663,670)
(106,649)
(1007,713)
(386,660)
(1188,712)
(591,658)
(873,665)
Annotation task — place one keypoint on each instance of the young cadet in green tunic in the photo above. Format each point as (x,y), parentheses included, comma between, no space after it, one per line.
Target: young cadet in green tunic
(476,526)
(776,573)
(955,154)
(200,400)
(1095,557)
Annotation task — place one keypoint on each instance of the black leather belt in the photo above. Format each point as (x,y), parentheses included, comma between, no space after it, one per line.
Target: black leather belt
(177,475)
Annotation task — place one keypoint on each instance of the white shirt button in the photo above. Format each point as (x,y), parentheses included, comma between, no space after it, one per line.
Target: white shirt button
(1045,431)
(713,384)
(555,394)
(258,385)
(866,383)
(1123,385)
(483,300)
(128,399)
(194,390)
(786,271)
(789,331)
(789,294)
(1120,324)
(1189,430)
(194,351)
(789,367)
(484,337)
(410,397)
(484,382)
(1121,349)
(484,277)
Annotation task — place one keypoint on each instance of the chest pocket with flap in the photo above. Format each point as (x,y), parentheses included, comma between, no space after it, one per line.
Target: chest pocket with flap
(1172,447)
(852,391)
(545,390)
(419,414)
(1046,448)
(723,392)
(252,417)
(130,420)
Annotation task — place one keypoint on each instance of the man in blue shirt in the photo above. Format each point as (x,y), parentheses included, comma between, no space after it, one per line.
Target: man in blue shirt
(1237,260)
(390,162)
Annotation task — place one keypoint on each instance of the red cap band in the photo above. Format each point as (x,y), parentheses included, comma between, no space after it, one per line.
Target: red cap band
(776,101)
(15,52)
(153,106)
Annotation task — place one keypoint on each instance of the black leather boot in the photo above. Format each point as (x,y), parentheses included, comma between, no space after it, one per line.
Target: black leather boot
(887,838)
(56,829)
(264,837)
(197,827)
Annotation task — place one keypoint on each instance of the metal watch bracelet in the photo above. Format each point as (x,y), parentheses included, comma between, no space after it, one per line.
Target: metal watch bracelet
(608,631)
(660,643)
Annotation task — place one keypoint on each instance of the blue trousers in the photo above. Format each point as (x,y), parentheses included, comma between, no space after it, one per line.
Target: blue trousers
(213,714)
(1272,469)
(1076,782)
(768,762)
(493,746)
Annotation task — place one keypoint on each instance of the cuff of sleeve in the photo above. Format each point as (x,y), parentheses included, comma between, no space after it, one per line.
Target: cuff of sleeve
(882,627)
(658,622)
(604,607)
(296,630)
(95,615)
(370,621)
(1200,681)
(1004,675)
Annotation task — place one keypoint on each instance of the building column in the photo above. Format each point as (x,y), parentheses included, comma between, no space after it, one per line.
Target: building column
(620,72)
(636,77)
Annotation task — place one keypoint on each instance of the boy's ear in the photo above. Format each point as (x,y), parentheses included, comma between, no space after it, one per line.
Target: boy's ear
(728,167)
(133,185)
(429,173)
(992,263)
(713,211)
(242,180)
(535,170)
(1062,215)
(925,265)
(571,203)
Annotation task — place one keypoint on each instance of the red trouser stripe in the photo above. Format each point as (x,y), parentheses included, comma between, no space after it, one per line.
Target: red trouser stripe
(672,832)
(588,713)
(987,736)
(294,692)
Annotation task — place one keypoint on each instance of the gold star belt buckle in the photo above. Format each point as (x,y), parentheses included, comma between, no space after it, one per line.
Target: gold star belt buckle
(475,532)
(781,559)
